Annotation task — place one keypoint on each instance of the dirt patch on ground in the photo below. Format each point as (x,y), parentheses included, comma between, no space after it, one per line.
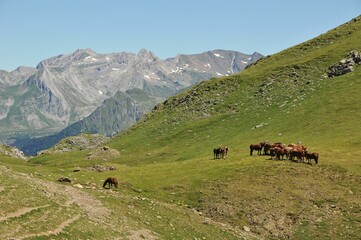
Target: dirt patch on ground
(89,204)
(55,231)
(19,212)
(143,234)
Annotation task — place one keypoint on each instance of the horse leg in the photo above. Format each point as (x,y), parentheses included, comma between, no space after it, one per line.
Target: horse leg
(105,184)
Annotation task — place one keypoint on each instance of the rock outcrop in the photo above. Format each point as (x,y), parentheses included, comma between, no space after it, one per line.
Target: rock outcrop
(346,65)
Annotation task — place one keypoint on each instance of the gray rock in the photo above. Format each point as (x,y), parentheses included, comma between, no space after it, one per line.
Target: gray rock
(64,179)
(247,229)
(345,65)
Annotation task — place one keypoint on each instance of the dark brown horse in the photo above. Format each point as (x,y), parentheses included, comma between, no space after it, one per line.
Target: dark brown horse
(257,146)
(310,156)
(278,152)
(111,181)
(267,147)
(220,152)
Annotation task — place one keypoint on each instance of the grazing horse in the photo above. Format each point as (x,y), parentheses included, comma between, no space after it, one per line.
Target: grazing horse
(278,152)
(310,156)
(220,152)
(257,146)
(267,147)
(298,147)
(111,181)
(297,153)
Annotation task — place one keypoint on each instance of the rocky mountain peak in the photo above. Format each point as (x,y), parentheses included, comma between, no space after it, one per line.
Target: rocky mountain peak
(84,52)
(146,54)
(256,56)
(67,88)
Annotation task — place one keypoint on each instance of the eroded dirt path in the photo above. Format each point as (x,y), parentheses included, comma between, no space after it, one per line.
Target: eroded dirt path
(20,212)
(55,231)
(65,196)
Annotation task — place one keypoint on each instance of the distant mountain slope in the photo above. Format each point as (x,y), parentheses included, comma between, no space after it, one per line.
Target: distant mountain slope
(67,88)
(114,115)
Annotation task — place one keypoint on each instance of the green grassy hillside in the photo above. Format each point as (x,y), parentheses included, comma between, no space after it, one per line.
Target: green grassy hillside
(172,188)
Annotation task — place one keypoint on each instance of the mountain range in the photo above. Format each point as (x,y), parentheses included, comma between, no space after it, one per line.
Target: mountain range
(81,86)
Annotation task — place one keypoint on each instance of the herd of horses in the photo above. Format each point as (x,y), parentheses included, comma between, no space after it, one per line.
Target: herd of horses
(279,150)
(220,152)
(275,150)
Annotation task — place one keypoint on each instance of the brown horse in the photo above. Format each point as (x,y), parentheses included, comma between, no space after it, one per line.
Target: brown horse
(111,181)
(298,147)
(310,156)
(257,146)
(278,152)
(224,151)
(267,147)
(220,152)
(297,153)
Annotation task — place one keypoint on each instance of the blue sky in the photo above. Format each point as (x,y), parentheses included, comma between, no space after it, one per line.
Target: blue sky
(34,30)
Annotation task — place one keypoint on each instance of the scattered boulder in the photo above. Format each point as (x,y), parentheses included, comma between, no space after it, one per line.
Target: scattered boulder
(78,186)
(101,168)
(247,229)
(105,148)
(346,65)
(64,179)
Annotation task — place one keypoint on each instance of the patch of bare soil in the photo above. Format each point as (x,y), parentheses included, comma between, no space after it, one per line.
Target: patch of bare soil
(19,212)
(64,195)
(142,234)
(67,196)
(91,206)
(55,231)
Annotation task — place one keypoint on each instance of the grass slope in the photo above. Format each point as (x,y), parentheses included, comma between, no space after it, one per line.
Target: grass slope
(171,188)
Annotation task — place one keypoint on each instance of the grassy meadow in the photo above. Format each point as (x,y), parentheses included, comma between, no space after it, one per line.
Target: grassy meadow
(172,188)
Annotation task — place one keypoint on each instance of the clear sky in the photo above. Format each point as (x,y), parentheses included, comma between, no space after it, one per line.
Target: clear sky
(34,30)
